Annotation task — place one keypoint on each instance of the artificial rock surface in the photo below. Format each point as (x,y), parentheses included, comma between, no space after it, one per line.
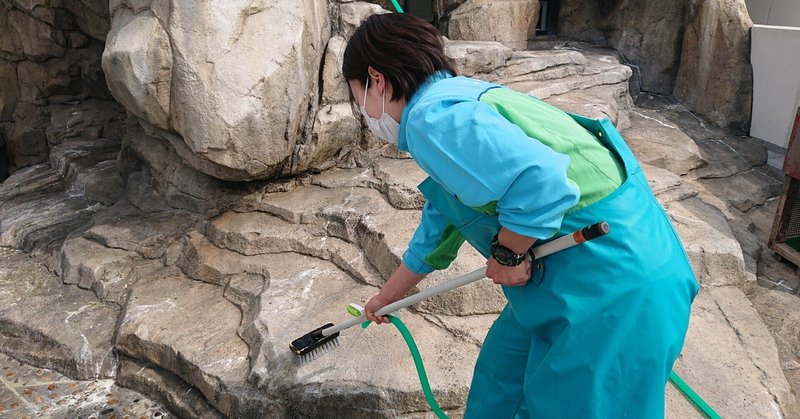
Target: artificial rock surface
(739,357)
(676,48)
(194,286)
(715,80)
(510,22)
(49,59)
(51,324)
(261,98)
(187,328)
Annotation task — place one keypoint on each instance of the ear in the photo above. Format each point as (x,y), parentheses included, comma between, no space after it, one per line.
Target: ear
(377,79)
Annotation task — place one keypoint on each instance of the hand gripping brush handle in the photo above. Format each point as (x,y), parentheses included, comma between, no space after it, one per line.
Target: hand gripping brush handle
(323,335)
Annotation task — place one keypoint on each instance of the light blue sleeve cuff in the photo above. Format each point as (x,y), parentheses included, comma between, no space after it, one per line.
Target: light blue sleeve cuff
(415,263)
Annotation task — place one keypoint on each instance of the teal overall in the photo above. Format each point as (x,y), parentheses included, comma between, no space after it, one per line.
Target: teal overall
(596,330)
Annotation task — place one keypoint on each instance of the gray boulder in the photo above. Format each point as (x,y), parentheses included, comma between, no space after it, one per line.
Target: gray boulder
(510,22)
(715,78)
(234,108)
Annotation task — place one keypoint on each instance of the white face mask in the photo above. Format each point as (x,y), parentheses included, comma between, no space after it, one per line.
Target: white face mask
(385,128)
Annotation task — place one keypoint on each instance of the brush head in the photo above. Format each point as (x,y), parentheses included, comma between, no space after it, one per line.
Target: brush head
(306,344)
(315,353)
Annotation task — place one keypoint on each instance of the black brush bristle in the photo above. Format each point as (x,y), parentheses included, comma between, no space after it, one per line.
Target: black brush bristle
(311,340)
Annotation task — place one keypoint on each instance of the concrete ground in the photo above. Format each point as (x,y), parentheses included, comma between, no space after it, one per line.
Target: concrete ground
(28,392)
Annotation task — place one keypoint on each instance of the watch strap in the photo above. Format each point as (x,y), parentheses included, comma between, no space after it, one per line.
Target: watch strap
(504,255)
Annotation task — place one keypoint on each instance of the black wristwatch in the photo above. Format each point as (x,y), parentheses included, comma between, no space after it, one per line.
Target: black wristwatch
(504,255)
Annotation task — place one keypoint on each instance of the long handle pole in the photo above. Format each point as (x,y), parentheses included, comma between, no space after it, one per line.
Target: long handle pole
(561,243)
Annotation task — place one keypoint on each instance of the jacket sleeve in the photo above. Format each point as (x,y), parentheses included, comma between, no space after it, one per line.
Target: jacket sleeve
(434,245)
(482,158)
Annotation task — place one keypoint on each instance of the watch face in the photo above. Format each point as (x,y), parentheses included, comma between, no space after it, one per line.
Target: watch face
(505,256)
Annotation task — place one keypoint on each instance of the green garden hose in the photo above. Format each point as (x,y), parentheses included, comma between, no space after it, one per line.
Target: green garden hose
(423,378)
(397,6)
(681,385)
(692,396)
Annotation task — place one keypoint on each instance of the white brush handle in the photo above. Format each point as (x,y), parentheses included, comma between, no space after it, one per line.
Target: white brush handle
(411,299)
(561,243)
(433,291)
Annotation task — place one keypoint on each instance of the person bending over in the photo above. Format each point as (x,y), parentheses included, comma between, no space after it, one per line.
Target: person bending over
(588,332)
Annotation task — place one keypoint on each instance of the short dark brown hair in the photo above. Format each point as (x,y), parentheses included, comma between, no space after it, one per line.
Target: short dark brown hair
(404,48)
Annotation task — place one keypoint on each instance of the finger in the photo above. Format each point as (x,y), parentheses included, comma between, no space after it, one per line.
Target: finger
(375,318)
(370,316)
